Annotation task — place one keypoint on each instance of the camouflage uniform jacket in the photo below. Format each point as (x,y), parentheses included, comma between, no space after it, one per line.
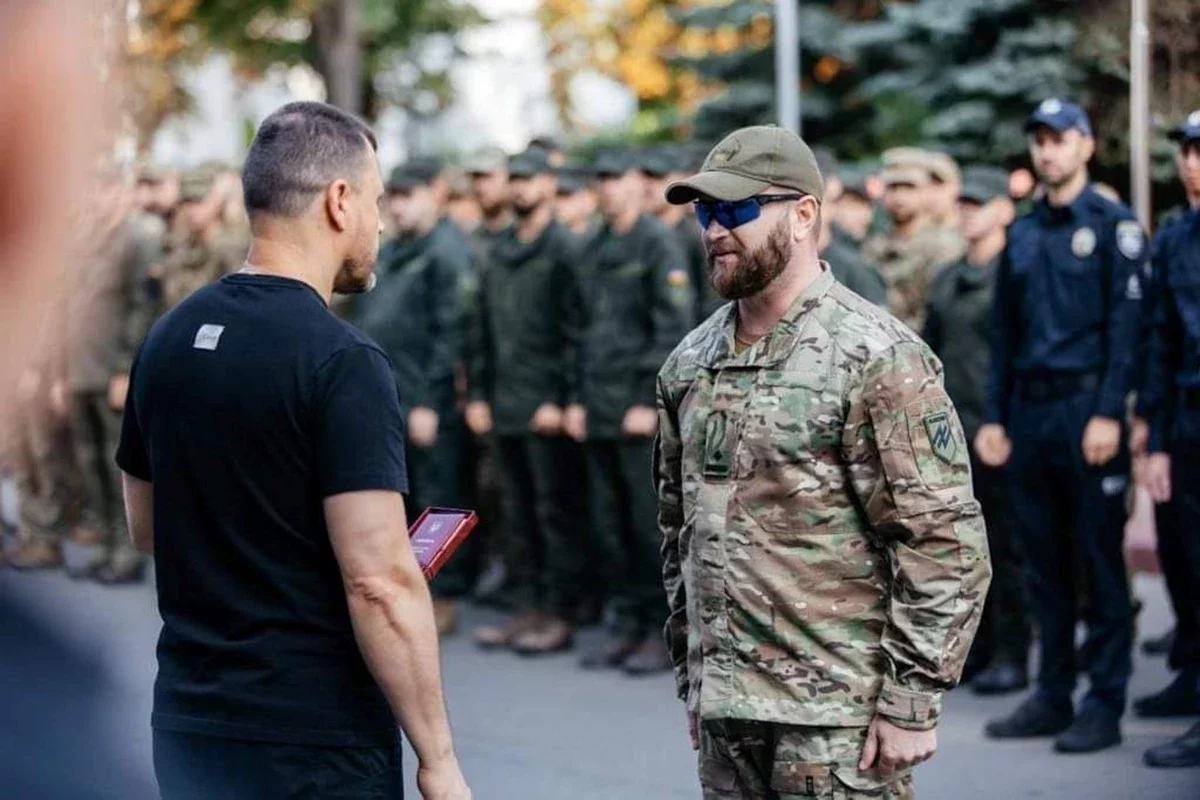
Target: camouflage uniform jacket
(191,265)
(824,557)
(910,265)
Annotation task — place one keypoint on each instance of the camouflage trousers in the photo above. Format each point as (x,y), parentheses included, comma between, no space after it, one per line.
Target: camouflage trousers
(47,486)
(95,430)
(768,761)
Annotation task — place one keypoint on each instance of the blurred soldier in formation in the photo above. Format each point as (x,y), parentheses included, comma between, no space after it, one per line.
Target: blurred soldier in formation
(522,374)
(1066,328)
(415,313)
(637,305)
(958,328)
(659,166)
(916,248)
(945,188)
(199,246)
(108,315)
(489,181)
(556,156)
(575,204)
(462,206)
(837,247)
(1172,471)
(854,212)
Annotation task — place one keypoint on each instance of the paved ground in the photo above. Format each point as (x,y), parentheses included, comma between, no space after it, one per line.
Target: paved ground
(543,729)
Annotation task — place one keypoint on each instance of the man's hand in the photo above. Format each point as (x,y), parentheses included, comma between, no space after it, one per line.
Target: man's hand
(640,422)
(1156,477)
(693,729)
(1101,440)
(1139,436)
(422,427)
(890,748)
(442,781)
(479,417)
(118,389)
(547,420)
(575,422)
(992,445)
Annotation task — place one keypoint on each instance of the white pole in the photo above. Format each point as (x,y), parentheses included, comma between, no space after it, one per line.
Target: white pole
(787,64)
(1139,111)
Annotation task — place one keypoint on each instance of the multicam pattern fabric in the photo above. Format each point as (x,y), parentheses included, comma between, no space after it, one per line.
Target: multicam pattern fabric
(823,558)
(909,267)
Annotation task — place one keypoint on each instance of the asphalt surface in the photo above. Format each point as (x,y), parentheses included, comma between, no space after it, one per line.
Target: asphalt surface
(535,729)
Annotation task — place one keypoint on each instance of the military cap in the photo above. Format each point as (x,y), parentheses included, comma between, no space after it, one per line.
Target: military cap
(413,173)
(905,175)
(983,184)
(533,161)
(906,157)
(572,177)
(1060,115)
(486,161)
(748,161)
(657,161)
(195,185)
(613,162)
(942,167)
(1188,130)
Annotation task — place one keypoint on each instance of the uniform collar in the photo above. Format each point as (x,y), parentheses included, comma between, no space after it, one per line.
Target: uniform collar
(774,348)
(1077,209)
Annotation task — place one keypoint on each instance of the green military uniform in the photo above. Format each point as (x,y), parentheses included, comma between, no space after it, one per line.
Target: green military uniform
(691,239)
(108,314)
(637,304)
(909,265)
(193,261)
(415,313)
(852,270)
(823,556)
(522,355)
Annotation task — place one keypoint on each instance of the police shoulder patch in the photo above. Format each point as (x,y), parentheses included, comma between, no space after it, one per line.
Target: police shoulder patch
(941,436)
(1129,239)
(1133,287)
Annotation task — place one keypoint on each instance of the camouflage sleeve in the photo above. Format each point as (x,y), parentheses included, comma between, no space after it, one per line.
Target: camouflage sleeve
(142,253)
(920,504)
(668,452)
(672,304)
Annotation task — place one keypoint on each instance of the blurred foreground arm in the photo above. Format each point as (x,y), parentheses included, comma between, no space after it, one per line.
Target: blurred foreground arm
(392,614)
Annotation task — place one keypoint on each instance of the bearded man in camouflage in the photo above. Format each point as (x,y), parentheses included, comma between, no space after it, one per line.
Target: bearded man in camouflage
(824,558)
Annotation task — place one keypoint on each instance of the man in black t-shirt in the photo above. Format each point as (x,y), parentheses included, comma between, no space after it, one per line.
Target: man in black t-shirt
(263,460)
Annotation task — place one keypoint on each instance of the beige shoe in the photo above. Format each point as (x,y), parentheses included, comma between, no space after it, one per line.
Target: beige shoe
(445,616)
(553,635)
(491,637)
(34,555)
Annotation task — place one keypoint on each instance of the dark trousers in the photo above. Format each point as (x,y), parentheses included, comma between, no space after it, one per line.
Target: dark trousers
(1067,513)
(1004,629)
(623,515)
(434,480)
(1178,525)
(190,767)
(95,431)
(544,532)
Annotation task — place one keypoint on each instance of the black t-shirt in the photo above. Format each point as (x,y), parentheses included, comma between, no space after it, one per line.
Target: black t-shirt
(249,404)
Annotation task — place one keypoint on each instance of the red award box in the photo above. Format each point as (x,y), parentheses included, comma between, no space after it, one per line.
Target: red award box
(437,533)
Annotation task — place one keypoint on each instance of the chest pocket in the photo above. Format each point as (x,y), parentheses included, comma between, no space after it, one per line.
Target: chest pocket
(788,459)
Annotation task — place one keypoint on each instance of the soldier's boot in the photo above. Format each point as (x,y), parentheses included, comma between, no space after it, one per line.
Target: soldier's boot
(1002,677)
(445,616)
(123,566)
(609,654)
(1159,645)
(551,635)
(1180,699)
(36,555)
(1096,728)
(1181,752)
(85,564)
(1033,718)
(493,637)
(650,658)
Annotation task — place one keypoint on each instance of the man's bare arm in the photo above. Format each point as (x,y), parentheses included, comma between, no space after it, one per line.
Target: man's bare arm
(139,512)
(392,614)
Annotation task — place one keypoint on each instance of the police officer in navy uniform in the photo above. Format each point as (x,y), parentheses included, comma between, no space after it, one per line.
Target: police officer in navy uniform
(1172,471)
(1067,321)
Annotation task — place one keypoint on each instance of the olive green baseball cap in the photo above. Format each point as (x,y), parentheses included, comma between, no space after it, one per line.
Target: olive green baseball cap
(748,161)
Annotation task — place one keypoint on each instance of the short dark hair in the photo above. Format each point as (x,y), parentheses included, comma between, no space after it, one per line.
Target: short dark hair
(298,151)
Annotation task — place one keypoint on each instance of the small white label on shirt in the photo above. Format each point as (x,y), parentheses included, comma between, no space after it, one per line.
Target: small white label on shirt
(208,337)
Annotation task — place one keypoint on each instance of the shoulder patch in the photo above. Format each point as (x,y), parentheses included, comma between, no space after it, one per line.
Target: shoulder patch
(1133,287)
(678,278)
(941,436)
(1130,241)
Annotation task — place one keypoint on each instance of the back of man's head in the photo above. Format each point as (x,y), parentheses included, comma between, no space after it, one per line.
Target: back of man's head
(298,151)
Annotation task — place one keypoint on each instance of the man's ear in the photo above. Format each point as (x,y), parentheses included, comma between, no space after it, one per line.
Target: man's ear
(805,214)
(337,204)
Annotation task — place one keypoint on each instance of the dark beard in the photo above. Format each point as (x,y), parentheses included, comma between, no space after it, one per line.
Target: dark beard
(524,211)
(754,271)
(347,281)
